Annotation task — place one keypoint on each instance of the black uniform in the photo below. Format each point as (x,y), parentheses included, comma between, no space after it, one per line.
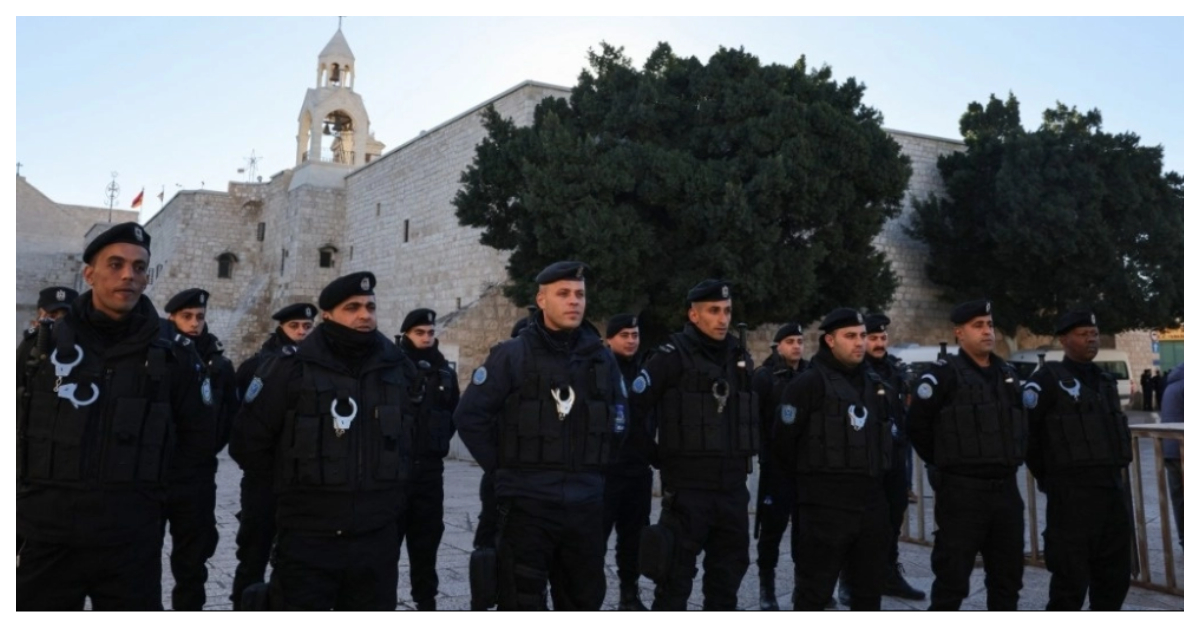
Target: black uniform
(1079,450)
(895,377)
(833,429)
(776,484)
(421,521)
(256,519)
(627,488)
(192,488)
(91,489)
(547,470)
(704,449)
(339,486)
(968,423)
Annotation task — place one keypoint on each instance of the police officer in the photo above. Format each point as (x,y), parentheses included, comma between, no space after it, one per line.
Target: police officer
(776,490)
(1079,451)
(967,421)
(628,482)
(335,421)
(895,377)
(52,305)
(545,413)
(834,430)
(256,519)
(97,412)
(421,521)
(192,491)
(698,388)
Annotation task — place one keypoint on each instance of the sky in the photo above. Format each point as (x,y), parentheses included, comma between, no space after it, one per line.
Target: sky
(181,103)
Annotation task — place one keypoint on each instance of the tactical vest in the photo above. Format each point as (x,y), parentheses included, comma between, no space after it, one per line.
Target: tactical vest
(435,413)
(1085,427)
(373,453)
(983,423)
(533,436)
(121,439)
(850,432)
(692,418)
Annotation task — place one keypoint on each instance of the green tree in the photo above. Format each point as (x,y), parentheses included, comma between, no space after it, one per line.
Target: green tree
(772,177)
(1043,221)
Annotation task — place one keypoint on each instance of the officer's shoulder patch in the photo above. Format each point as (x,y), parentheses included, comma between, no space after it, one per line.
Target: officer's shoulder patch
(666,348)
(925,390)
(1029,398)
(254,389)
(479,376)
(641,383)
(787,414)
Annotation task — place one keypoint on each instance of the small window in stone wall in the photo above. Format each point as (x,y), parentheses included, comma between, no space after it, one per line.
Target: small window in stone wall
(327,253)
(262,231)
(282,260)
(225,264)
(406,230)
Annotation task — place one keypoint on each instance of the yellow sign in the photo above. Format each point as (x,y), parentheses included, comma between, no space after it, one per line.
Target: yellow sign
(1171,334)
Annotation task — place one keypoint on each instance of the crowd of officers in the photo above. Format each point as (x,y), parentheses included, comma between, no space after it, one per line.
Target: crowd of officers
(341,433)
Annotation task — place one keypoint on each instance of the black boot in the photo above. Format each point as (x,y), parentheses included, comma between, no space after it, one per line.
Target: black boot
(630,597)
(766,590)
(843,592)
(896,586)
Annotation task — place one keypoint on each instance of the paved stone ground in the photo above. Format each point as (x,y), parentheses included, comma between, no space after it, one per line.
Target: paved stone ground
(462,508)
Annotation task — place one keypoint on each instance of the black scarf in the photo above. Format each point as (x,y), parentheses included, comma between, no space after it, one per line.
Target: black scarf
(348,345)
(110,332)
(716,351)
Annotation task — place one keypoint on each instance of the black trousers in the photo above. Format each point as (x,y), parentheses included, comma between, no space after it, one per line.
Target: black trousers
(421,523)
(716,522)
(119,577)
(1087,539)
(977,516)
(336,572)
(191,520)
(627,508)
(778,507)
(895,490)
(255,534)
(831,540)
(538,538)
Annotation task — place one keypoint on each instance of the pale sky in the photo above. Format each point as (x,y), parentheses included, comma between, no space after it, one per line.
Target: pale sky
(173,102)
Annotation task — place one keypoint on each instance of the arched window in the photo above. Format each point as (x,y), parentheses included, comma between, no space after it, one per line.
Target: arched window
(225,264)
(327,253)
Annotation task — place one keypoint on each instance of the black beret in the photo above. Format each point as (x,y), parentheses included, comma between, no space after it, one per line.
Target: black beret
(841,317)
(131,233)
(877,322)
(1074,319)
(346,287)
(418,317)
(299,310)
(188,298)
(54,298)
(617,323)
(562,270)
(967,311)
(789,329)
(709,291)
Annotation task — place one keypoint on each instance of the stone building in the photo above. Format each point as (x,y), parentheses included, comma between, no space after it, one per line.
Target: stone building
(347,206)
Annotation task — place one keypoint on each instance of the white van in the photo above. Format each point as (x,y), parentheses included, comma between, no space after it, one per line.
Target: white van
(1115,362)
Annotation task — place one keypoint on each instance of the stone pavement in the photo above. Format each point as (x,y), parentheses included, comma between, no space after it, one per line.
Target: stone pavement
(462,509)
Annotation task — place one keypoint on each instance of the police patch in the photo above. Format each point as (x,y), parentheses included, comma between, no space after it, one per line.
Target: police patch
(479,377)
(1030,398)
(925,391)
(641,383)
(206,392)
(253,389)
(787,414)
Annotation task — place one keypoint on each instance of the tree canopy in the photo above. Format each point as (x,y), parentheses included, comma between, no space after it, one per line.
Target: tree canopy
(1048,220)
(772,177)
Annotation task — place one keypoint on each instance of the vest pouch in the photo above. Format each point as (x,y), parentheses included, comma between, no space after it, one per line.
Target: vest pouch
(69,427)
(670,426)
(1094,433)
(599,434)
(1075,438)
(156,432)
(39,433)
(306,440)
(124,439)
(967,431)
(549,441)
(991,438)
(947,444)
(745,434)
(714,424)
(335,469)
(691,422)
(833,422)
(387,450)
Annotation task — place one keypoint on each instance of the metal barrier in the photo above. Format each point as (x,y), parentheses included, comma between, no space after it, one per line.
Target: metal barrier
(1145,575)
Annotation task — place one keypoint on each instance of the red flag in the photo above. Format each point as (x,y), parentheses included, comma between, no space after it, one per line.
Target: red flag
(137,201)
